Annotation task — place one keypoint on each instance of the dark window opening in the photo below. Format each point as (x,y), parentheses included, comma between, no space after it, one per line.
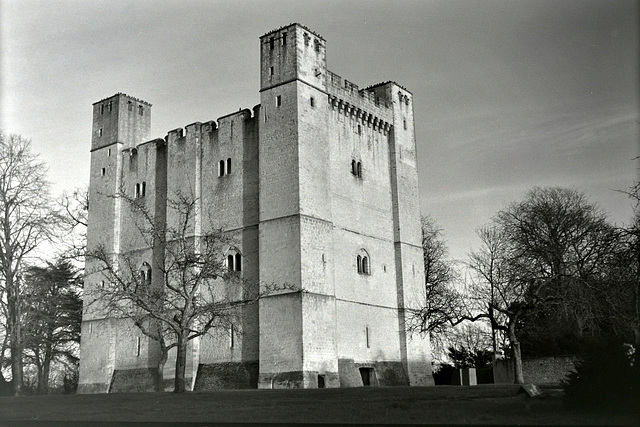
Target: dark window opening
(228,166)
(359,170)
(110,106)
(137,191)
(359,262)
(143,190)
(306,39)
(101,108)
(353,167)
(317,45)
(278,100)
(312,101)
(230,262)
(359,130)
(271,71)
(363,264)
(103,171)
(271,43)
(129,105)
(140,110)
(221,167)
(238,265)
(404,122)
(284,39)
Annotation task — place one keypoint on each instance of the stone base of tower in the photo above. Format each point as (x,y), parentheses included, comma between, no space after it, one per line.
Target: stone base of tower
(228,375)
(299,379)
(138,380)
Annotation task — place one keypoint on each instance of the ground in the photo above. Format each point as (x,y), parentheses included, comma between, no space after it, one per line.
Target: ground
(484,404)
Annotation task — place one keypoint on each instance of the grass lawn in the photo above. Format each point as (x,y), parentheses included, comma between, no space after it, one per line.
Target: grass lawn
(484,404)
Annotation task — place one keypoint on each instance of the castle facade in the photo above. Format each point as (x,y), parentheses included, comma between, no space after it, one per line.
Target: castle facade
(319,186)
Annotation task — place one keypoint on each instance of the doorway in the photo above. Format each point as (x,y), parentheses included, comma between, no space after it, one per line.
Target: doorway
(367,376)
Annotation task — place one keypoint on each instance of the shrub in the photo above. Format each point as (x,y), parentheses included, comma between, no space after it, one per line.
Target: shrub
(443,375)
(606,379)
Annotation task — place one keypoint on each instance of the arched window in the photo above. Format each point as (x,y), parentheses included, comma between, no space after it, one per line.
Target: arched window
(221,168)
(234,261)
(145,273)
(228,166)
(363,262)
(230,262)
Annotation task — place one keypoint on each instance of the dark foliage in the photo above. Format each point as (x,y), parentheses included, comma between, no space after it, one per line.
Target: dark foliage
(444,374)
(605,380)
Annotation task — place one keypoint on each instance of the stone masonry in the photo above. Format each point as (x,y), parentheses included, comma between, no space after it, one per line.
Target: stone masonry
(320,190)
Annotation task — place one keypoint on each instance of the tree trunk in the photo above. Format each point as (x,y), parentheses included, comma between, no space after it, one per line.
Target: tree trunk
(181,365)
(160,373)
(46,369)
(15,334)
(515,353)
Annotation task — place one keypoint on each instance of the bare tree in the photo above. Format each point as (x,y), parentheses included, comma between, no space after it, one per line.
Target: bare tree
(551,248)
(196,290)
(441,305)
(26,220)
(75,208)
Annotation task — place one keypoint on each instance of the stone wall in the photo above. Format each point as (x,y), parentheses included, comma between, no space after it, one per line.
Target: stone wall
(539,370)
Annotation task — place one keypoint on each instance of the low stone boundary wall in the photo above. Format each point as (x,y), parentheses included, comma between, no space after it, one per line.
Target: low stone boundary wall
(538,370)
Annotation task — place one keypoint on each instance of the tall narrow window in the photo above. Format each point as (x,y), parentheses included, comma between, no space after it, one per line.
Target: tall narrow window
(312,101)
(221,167)
(366,336)
(354,171)
(278,100)
(101,108)
(359,262)
(103,171)
(284,39)
(359,170)
(271,43)
(129,105)
(140,110)
(363,261)
(365,265)
(228,166)
(109,152)
(137,346)
(143,190)
(404,123)
(232,333)
(100,132)
(230,265)
(238,262)
(271,71)
(110,106)
(137,191)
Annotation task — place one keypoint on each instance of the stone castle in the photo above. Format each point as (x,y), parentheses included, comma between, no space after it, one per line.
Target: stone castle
(318,184)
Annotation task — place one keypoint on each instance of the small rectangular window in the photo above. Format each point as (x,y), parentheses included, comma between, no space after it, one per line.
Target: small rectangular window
(404,122)
(140,110)
(312,101)
(101,108)
(100,132)
(278,100)
(284,39)
(271,43)
(109,152)
(271,71)
(137,191)
(143,191)
(130,105)
(137,346)
(103,171)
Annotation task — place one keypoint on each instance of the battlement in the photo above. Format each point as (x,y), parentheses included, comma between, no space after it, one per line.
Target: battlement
(293,24)
(125,95)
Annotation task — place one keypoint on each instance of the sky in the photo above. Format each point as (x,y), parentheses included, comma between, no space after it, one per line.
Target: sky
(508,95)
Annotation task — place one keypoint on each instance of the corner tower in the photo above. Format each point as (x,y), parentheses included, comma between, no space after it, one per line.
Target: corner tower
(119,122)
(297,328)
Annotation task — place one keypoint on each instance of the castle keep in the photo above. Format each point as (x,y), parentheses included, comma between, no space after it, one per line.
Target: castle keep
(318,184)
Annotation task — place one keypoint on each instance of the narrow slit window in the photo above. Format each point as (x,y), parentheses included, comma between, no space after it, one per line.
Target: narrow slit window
(359,262)
(271,71)
(140,110)
(278,100)
(110,106)
(366,335)
(272,43)
(230,262)
(143,190)
(359,170)
(404,123)
(365,265)
(312,101)
(232,333)
(137,191)
(103,171)
(100,132)
(101,108)
(137,346)
(221,167)
(353,167)
(129,105)
(228,166)
(284,39)
(109,152)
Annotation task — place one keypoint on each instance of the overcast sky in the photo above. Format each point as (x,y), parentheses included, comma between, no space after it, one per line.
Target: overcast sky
(508,95)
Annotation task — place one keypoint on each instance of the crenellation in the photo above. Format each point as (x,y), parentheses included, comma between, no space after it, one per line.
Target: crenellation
(317,185)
